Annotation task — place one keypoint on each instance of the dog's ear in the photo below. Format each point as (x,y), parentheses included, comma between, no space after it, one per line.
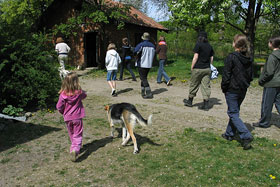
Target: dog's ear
(107,107)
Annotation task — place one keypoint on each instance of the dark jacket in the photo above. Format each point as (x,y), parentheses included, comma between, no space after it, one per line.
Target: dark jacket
(161,50)
(126,51)
(270,76)
(237,74)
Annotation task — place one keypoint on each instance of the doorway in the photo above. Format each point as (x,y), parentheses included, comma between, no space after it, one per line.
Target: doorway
(91,49)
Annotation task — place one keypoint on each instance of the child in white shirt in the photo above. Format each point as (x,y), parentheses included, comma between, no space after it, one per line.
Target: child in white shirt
(112,61)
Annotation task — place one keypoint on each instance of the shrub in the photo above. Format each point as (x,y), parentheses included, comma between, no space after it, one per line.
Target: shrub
(28,73)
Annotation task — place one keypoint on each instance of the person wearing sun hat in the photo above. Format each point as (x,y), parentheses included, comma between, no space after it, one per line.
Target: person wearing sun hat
(145,52)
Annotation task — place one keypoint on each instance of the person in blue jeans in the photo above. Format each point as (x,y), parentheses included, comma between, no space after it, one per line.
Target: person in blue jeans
(237,75)
(126,59)
(112,60)
(270,81)
(161,50)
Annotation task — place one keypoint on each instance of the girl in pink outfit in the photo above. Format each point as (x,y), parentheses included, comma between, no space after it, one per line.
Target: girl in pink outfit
(71,106)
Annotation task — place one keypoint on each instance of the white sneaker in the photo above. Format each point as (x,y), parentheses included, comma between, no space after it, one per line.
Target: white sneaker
(168,83)
(113,92)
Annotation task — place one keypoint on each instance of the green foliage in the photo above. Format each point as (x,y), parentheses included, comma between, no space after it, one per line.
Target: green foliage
(21,12)
(92,14)
(28,72)
(12,111)
(243,16)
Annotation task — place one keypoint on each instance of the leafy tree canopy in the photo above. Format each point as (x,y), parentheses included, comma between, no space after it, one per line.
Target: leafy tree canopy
(243,15)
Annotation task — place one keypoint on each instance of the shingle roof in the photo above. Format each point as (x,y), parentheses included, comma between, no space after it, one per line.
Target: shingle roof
(139,18)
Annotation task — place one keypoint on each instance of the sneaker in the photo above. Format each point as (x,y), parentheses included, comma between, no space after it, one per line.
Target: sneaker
(260,126)
(229,138)
(73,156)
(168,83)
(246,144)
(113,92)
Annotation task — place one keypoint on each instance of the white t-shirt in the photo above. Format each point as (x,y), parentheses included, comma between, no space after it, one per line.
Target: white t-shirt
(62,48)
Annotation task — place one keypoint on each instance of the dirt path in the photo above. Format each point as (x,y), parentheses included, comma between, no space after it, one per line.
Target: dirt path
(169,110)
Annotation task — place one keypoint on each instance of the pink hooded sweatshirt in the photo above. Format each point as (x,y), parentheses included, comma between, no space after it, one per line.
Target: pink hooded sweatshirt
(71,106)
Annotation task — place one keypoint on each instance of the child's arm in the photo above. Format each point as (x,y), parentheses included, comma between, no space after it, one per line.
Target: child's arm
(83,95)
(60,104)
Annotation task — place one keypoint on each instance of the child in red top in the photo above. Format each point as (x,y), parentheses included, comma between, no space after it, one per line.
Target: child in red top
(70,105)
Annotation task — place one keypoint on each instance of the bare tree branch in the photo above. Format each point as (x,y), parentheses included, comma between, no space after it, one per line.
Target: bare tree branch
(236,27)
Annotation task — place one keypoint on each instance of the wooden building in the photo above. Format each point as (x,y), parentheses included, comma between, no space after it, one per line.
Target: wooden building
(89,45)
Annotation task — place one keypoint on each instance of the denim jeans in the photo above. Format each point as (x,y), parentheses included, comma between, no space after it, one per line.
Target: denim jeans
(126,63)
(270,96)
(112,75)
(234,100)
(161,71)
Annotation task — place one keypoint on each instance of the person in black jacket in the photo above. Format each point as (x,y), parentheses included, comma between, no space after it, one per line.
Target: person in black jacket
(126,59)
(237,75)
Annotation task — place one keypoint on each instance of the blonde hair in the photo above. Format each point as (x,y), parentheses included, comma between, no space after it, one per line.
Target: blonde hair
(70,84)
(241,43)
(59,40)
(111,46)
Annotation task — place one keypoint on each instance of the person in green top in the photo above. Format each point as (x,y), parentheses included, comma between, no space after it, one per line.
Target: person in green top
(270,80)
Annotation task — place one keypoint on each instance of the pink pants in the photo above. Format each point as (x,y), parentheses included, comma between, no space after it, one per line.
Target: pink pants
(75,131)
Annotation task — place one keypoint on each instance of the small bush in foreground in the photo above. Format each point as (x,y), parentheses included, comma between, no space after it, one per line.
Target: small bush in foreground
(28,73)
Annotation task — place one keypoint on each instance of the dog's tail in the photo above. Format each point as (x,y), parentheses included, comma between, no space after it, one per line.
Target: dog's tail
(141,120)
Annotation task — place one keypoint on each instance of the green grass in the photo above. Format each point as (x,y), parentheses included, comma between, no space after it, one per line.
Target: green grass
(178,68)
(196,158)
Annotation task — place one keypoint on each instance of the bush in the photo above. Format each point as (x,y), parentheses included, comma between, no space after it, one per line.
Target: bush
(28,73)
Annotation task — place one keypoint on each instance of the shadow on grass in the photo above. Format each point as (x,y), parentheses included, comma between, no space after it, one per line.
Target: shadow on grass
(96,144)
(15,133)
(124,90)
(140,140)
(92,147)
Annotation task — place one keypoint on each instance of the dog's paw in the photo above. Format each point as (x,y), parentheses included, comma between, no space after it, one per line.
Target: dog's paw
(135,151)
(124,144)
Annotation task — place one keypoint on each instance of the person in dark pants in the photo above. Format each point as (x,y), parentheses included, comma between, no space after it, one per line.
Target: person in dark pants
(201,72)
(270,80)
(161,50)
(126,59)
(237,75)
(145,52)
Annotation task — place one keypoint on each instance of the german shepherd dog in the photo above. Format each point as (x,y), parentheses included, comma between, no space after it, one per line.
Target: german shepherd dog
(126,115)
